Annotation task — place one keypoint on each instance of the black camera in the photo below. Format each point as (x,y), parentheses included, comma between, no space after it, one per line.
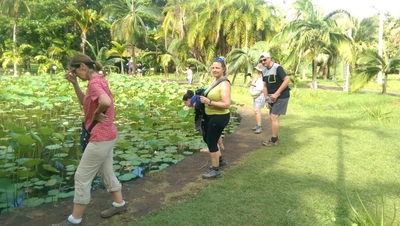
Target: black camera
(200,91)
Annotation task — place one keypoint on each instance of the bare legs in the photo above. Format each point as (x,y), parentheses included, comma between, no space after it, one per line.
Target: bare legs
(274,124)
(257,112)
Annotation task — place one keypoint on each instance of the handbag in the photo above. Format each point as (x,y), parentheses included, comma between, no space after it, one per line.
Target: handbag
(85,134)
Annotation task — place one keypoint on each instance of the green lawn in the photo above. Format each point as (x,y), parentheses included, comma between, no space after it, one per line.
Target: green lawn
(333,147)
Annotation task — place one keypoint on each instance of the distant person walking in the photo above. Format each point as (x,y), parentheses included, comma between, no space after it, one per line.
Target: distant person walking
(257,92)
(276,92)
(189,75)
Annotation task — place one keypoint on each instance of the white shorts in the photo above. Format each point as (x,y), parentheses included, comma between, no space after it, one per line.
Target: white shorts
(259,102)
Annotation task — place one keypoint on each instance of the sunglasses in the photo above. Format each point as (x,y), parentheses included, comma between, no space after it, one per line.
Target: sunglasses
(75,67)
(263,60)
(218,59)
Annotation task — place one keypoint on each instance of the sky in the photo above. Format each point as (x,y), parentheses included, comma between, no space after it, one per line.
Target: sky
(358,8)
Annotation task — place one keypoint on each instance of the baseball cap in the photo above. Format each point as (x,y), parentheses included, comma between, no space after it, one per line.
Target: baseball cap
(259,67)
(265,54)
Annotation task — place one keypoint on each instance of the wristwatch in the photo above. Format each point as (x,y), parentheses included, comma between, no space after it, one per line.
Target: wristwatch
(209,103)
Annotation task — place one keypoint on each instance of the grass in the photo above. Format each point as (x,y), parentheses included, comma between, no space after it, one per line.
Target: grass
(329,147)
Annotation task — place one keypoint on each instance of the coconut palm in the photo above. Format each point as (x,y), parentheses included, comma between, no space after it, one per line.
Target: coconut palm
(312,31)
(14,8)
(369,64)
(128,26)
(85,19)
(245,59)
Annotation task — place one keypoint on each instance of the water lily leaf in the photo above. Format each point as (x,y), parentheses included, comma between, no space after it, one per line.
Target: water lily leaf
(163,166)
(45,131)
(14,128)
(40,183)
(25,173)
(155,144)
(66,195)
(182,113)
(35,137)
(51,182)
(32,202)
(51,199)
(125,145)
(50,168)
(53,192)
(31,163)
(6,185)
(24,140)
(59,136)
(127,176)
(187,153)
(173,139)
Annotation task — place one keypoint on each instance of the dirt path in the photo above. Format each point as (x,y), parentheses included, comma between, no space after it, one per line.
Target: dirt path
(149,194)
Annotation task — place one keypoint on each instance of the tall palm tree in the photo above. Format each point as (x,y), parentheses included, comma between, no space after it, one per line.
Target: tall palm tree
(369,64)
(13,8)
(312,31)
(85,19)
(128,26)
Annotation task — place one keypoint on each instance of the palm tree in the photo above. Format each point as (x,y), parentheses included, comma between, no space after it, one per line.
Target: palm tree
(120,50)
(129,26)
(312,31)
(62,49)
(369,64)
(13,8)
(245,59)
(85,19)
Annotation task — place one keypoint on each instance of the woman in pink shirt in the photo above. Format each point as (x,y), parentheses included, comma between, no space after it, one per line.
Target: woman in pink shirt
(98,104)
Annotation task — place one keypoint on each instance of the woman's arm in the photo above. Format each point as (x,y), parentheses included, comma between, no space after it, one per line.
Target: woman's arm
(104,103)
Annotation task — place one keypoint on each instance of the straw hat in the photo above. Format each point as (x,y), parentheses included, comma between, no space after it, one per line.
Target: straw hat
(259,67)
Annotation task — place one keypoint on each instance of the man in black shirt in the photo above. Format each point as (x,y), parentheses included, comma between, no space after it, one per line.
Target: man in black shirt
(276,92)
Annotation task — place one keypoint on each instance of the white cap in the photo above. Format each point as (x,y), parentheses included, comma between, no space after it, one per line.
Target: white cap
(265,54)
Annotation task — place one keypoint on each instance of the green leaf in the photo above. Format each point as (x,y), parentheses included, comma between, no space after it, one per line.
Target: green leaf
(32,163)
(32,202)
(25,173)
(51,182)
(59,136)
(35,137)
(66,195)
(25,140)
(50,168)
(14,128)
(6,185)
(126,177)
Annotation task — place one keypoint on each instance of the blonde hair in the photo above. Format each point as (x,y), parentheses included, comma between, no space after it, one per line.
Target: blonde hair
(82,58)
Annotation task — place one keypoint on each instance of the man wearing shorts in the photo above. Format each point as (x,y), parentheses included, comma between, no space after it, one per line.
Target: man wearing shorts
(276,92)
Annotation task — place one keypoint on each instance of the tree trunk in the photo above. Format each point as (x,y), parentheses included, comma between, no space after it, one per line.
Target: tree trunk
(314,84)
(83,44)
(15,44)
(384,84)
(133,60)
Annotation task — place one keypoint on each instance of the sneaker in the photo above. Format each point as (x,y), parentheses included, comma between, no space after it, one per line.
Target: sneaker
(221,164)
(254,128)
(212,174)
(113,210)
(270,143)
(65,223)
(258,130)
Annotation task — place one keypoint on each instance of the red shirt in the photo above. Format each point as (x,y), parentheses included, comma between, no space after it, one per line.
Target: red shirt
(103,131)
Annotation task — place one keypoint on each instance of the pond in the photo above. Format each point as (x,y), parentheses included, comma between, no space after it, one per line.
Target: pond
(40,123)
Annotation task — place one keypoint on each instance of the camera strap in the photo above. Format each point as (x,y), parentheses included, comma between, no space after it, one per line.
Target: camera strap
(212,87)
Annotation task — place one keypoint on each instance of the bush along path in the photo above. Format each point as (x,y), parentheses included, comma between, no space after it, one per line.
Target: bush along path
(152,192)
